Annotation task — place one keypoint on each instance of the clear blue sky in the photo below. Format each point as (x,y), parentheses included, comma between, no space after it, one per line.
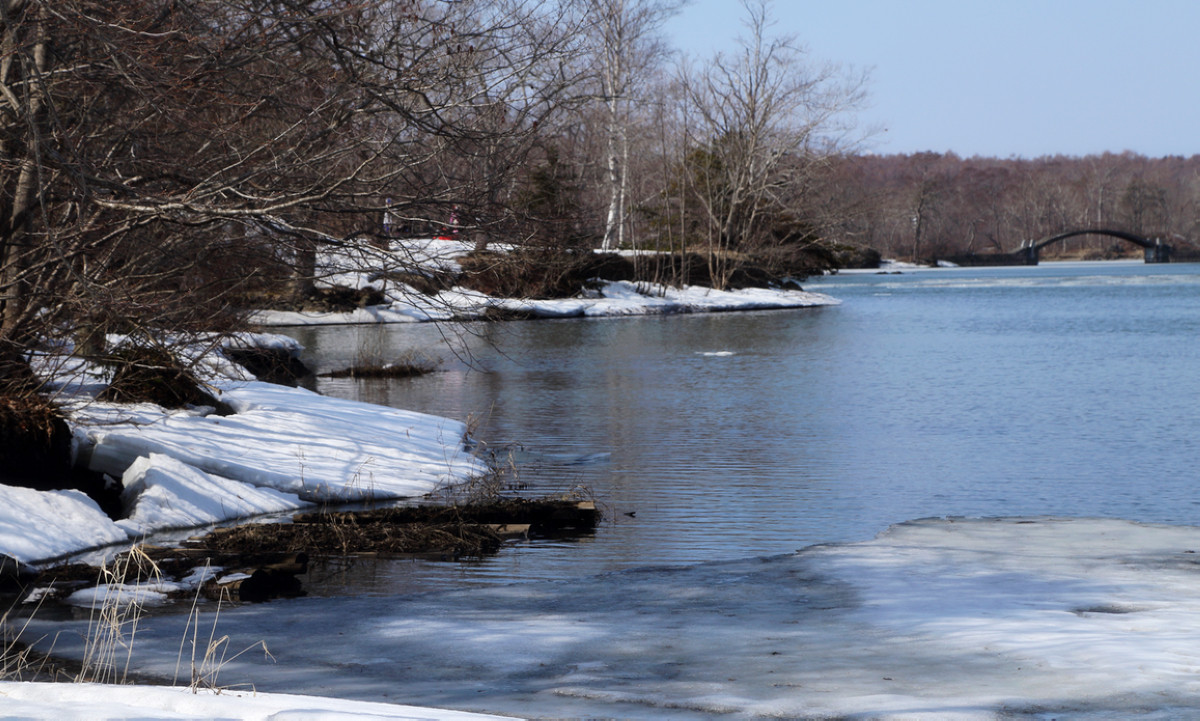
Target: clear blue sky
(998,77)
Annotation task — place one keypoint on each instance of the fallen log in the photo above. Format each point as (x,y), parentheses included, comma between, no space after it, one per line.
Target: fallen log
(544,518)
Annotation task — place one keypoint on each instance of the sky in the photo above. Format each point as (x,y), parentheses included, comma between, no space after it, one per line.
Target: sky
(1018,78)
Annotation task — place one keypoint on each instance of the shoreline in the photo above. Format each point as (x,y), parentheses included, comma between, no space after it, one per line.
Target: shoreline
(615,299)
(279,450)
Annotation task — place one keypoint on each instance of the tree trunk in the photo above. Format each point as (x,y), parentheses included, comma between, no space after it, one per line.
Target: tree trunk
(27,68)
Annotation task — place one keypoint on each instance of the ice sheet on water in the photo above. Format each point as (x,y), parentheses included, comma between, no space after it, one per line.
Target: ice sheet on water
(934,618)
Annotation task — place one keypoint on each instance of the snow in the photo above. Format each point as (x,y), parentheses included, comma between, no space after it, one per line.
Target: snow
(161,492)
(119,595)
(359,265)
(318,448)
(92,702)
(264,341)
(283,449)
(47,524)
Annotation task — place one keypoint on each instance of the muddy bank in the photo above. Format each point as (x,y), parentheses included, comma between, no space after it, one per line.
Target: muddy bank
(257,562)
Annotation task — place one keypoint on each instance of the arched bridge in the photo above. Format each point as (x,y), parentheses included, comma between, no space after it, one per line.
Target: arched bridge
(1155,250)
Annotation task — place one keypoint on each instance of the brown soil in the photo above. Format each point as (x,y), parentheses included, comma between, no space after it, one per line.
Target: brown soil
(153,375)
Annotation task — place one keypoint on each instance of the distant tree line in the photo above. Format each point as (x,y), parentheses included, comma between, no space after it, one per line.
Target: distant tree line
(926,206)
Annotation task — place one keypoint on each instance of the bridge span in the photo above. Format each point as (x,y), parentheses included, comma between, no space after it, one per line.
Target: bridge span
(1154,250)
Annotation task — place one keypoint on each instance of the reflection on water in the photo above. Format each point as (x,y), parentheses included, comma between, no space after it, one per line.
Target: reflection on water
(1060,389)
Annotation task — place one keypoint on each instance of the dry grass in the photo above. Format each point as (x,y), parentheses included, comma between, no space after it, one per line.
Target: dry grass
(18,662)
(208,655)
(345,534)
(113,625)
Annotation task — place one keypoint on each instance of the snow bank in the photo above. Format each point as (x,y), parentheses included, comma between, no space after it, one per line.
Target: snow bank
(95,702)
(35,525)
(319,448)
(283,449)
(359,265)
(161,492)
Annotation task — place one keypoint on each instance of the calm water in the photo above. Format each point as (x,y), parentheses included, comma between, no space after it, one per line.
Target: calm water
(1065,389)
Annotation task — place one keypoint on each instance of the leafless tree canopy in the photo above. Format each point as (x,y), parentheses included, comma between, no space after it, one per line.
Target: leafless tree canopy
(155,150)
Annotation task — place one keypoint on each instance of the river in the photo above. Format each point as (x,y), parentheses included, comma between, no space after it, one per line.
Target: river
(1061,389)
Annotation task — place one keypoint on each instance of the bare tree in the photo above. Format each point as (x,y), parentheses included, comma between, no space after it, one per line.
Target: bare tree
(623,36)
(158,153)
(755,121)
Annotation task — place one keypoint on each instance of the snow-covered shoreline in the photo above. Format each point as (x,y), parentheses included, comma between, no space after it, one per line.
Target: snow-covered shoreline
(284,449)
(362,266)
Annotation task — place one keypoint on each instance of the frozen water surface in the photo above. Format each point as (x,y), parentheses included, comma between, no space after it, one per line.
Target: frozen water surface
(938,618)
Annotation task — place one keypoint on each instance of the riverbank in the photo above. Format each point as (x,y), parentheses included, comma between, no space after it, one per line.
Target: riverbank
(396,286)
(271,450)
